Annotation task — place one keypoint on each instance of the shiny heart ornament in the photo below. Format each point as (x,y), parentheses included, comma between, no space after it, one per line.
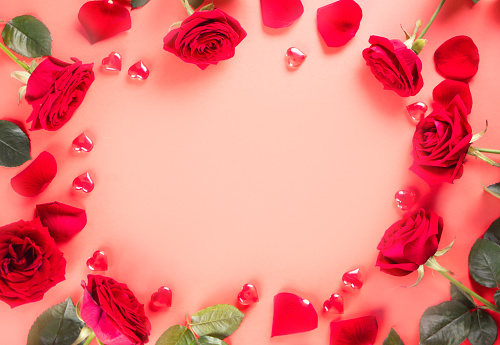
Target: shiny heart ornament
(292,314)
(84,183)
(98,261)
(335,304)
(353,279)
(294,57)
(248,295)
(138,71)
(82,143)
(113,62)
(161,299)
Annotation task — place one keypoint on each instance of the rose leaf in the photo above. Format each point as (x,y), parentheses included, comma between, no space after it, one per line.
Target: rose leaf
(219,321)
(393,338)
(493,189)
(138,3)
(484,263)
(483,330)
(195,3)
(176,335)
(493,232)
(206,340)
(58,325)
(447,323)
(27,36)
(461,296)
(14,145)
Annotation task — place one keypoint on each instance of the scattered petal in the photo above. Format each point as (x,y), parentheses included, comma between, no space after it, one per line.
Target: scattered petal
(457,58)
(280,13)
(360,331)
(446,91)
(292,314)
(63,221)
(36,177)
(102,19)
(338,22)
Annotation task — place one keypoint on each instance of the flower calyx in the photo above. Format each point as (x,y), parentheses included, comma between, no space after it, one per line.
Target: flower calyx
(414,43)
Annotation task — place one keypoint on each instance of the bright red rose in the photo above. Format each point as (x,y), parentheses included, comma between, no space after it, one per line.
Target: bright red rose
(55,90)
(409,242)
(395,65)
(112,311)
(30,263)
(205,38)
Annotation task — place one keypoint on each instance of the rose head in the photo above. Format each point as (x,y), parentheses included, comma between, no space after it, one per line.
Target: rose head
(395,65)
(205,38)
(55,90)
(30,263)
(409,242)
(112,311)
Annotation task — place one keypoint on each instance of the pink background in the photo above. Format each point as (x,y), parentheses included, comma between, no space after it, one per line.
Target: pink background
(250,173)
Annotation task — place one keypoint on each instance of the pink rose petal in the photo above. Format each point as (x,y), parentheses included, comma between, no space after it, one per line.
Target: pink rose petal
(339,22)
(36,177)
(360,331)
(446,91)
(292,314)
(63,221)
(280,13)
(457,58)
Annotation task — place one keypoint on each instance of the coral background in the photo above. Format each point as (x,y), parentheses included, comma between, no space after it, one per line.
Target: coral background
(248,172)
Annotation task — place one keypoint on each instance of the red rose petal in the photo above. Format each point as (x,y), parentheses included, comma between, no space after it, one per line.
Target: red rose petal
(36,177)
(339,22)
(102,19)
(360,331)
(280,13)
(292,314)
(457,58)
(446,91)
(63,221)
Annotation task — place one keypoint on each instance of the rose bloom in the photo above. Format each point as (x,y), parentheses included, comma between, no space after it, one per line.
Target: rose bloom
(55,90)
(205,38)
(30,263)
(440,143)
(112,311)
(409,242)
(395,65)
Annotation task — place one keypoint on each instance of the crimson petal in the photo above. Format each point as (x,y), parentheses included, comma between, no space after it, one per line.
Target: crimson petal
(338,22)
(446,91)
(360,331)
(102,19)
(36,177)
(457,58)
(280,13)
(293,314)
(63,221)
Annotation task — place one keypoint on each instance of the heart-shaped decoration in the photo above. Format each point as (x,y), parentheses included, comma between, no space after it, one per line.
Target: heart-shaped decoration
(353,279)
(293,314)
(84,183)
(335,304)
(113,62)
(405,199)
(295,57)
(161,299)
(82,143)
(138,71)
(98,261)
(248,295)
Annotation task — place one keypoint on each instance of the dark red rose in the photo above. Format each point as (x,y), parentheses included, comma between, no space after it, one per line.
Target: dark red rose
(55,90)
(112,311)
(409,242)
(205,38)
(30,263)
(395,65)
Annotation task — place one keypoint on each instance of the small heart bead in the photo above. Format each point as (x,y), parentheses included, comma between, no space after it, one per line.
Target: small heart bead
(138,71)
(161,299)
(248,295)
(98,261)
(113,62)
(335,304)
(353,278)
(82,143)
(294,57)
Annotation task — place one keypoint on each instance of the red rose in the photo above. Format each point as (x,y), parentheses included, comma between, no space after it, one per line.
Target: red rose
(55,89)
(205,38)
(30,263)
(112,311)
(395,65)
(409,242)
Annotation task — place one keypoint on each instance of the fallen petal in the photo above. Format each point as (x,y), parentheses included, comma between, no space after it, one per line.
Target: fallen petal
(63,221)
(457,58)
(338,22)
(360,331)
(36,177)
(292,314)
(446,91)
(280,13)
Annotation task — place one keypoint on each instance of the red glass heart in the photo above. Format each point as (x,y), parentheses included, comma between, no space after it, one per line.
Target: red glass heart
(293,314)
(295,57)
(113,62)
(353,278)
(84,183)
(98,261)
(248,295)
(405,199)
(138,71)
(82,143)
(359,331)
(335,304)
(416,111)
(161,299)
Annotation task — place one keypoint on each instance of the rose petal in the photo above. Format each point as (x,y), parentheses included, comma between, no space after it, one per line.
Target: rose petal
(36,177)
(292,314)
(360,331)
(457,58)
(339,22)
(63,221)
(447,90)
(280,13)
(102,19)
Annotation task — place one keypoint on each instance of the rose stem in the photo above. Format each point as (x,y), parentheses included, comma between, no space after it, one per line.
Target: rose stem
(475,152)
(487,150)
(187,6)
(16,60)
(89,339)
(432,19)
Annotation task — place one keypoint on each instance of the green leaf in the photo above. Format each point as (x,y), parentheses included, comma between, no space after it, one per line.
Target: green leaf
(484,263)
(195,3)
(462,297)
(475,1)
(447,323)
(138,3)
(493,189)
(14,145)
(58,325)
(219,321)
(208,7)
(483,330)
(393,338)
(176,335)
(493,232)
(206,340)
(27,36)
(497,298)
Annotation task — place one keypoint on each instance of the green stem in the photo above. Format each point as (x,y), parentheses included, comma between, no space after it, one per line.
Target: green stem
(473,151)
(89,339)
(432,19)
(487,150)
(187,6)
(16,60)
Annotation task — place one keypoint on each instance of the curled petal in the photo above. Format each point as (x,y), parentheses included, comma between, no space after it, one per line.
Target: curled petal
(63,221)
(339,22)
(293,314)
(280,13)
(457,58)
(446,91)
(102,19)
(36,177)
(359,331)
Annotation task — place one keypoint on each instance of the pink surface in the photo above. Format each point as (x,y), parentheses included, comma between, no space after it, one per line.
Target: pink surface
(247,172)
